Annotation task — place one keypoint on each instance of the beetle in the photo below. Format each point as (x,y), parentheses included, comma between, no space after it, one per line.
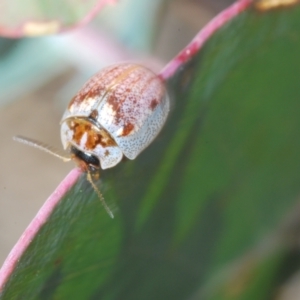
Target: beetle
(117,113)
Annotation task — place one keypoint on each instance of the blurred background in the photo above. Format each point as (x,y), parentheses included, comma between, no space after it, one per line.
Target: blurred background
(38,77)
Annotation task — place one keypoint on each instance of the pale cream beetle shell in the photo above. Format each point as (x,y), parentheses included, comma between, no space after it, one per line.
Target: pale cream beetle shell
(119,111)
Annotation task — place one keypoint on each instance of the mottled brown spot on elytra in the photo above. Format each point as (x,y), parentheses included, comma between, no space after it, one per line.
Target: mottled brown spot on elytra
(106,153)
(113,100)
(116,100)
(153,104)
(127,129)
(94,136)
(91,90)
(94,114)
(122,76)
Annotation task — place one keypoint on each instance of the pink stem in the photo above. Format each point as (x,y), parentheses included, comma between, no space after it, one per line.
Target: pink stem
(193,47)
(92,14)
(18,32)
(35,225)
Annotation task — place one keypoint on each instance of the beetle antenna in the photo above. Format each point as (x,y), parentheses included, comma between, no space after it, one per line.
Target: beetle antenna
(40,146)
(90,179)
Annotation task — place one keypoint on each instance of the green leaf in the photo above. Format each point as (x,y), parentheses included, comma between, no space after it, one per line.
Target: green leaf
(200,211)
